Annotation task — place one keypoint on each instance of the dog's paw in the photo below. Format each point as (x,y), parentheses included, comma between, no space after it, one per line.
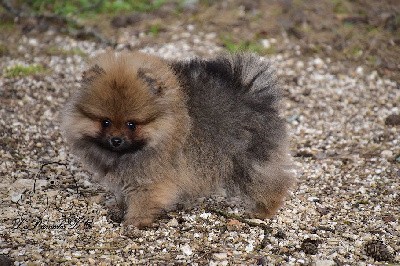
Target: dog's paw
(139,222)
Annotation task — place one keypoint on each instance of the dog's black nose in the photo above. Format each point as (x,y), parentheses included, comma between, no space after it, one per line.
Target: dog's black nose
(116,142)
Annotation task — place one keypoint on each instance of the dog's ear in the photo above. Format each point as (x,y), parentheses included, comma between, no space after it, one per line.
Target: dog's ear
(89,75)
(156,86)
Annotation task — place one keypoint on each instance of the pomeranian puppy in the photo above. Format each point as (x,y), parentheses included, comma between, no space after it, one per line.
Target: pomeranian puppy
(159,133)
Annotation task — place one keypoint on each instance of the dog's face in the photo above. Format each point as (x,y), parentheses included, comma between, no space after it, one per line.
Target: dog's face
(117,135)
(125,105)
(121,108)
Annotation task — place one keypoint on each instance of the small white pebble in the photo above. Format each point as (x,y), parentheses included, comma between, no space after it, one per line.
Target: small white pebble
(220,256)
(249,247)
(186,250)
(318,62)
(190,27)
(212,263)
(266,43)
(387,154)
(15,197)
(299,64)
(313,199)
(373,75)
(359,71)
(33,42)
(205,215)
(173,222)
(325,263)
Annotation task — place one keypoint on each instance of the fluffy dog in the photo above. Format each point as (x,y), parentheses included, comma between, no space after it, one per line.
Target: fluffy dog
(159,133)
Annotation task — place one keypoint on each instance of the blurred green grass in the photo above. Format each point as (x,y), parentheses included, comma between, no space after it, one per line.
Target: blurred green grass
(22,70)
(86,7)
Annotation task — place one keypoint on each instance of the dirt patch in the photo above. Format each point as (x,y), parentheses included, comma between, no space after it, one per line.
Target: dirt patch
(362,33)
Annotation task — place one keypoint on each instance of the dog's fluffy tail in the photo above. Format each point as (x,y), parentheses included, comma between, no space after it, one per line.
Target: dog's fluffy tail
(256,76)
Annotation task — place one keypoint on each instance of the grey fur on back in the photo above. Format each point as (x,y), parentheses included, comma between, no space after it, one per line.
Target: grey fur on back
(233,102)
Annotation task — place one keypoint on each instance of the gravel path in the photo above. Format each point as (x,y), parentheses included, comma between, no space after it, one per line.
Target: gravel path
(345,209)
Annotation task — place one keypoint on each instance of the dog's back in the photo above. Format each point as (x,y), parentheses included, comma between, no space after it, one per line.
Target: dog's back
(233,102)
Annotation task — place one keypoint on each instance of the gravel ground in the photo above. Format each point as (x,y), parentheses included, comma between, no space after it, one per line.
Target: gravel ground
(344,210)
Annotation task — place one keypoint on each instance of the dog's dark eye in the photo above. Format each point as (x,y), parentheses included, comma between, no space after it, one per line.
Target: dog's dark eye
(131,125)
(105,123)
